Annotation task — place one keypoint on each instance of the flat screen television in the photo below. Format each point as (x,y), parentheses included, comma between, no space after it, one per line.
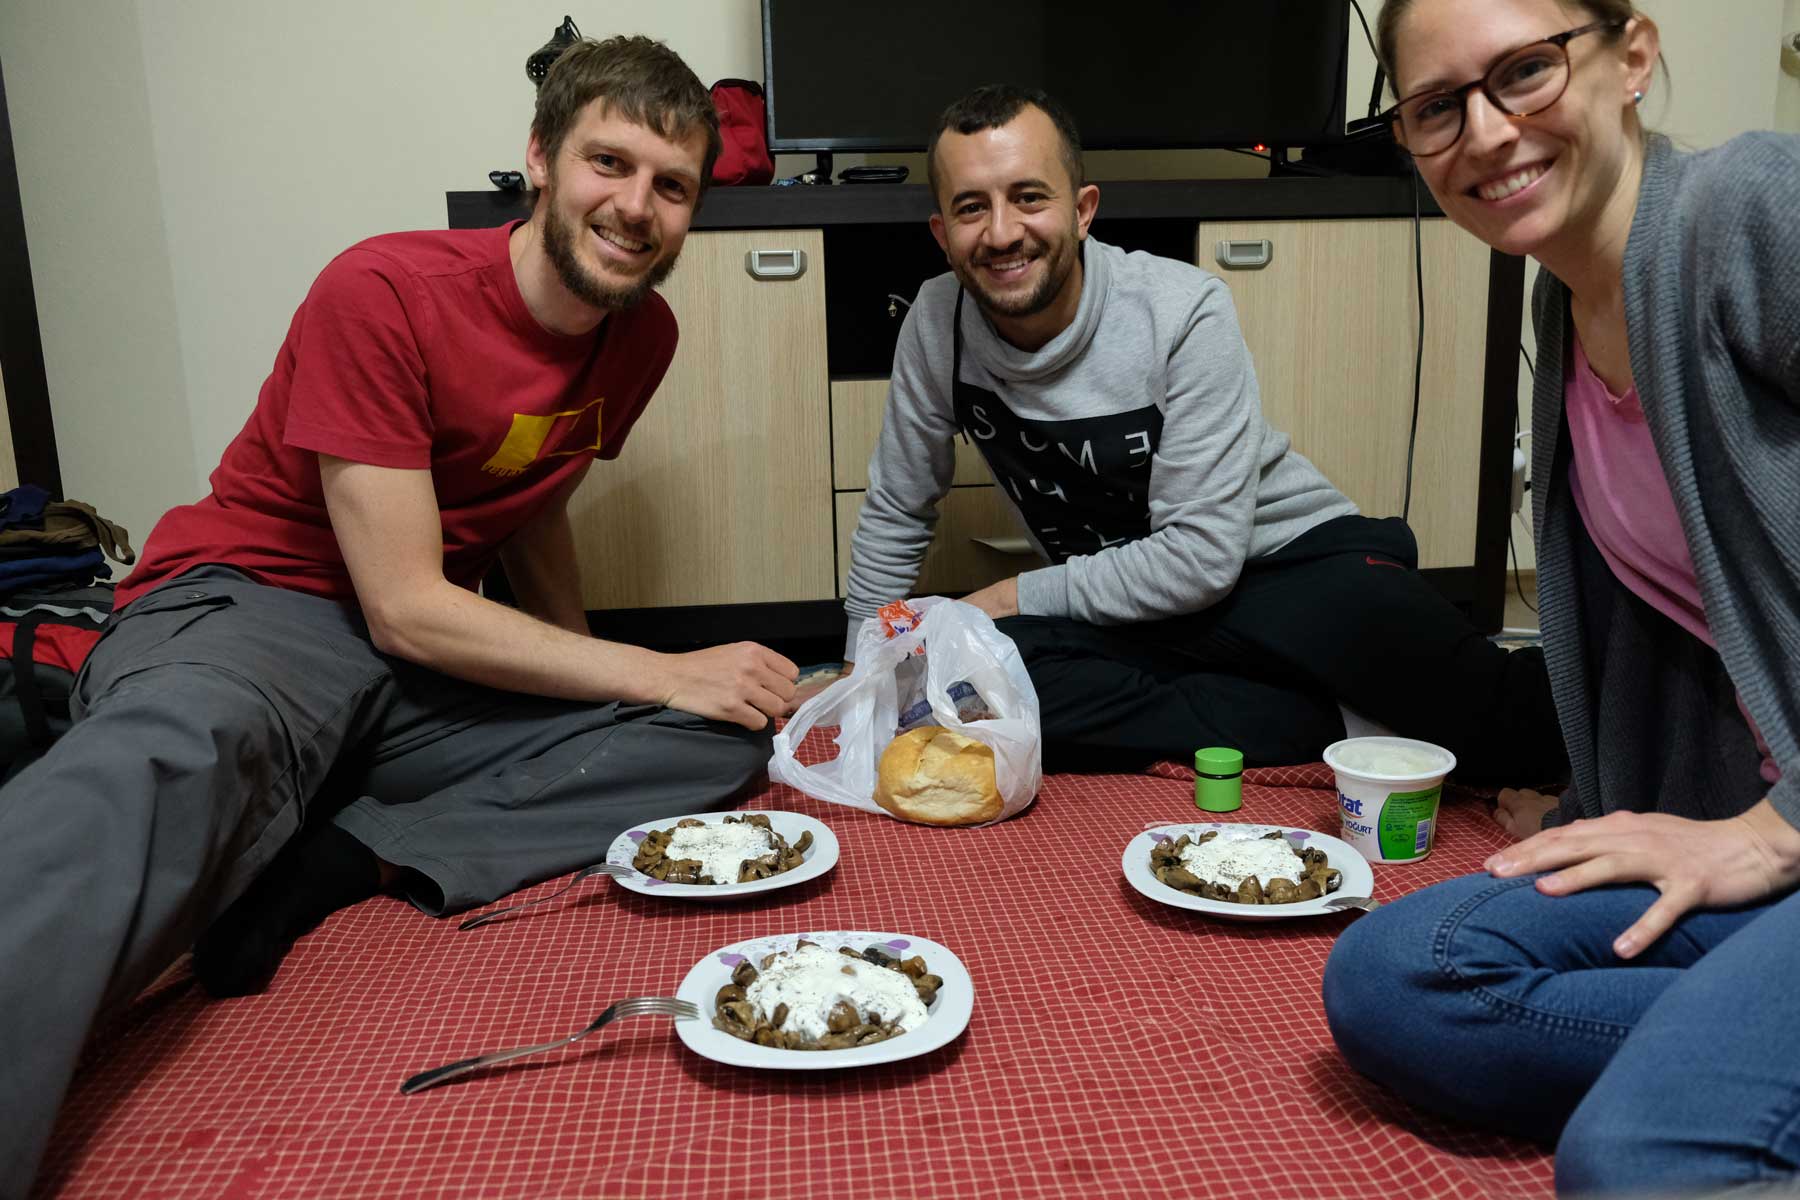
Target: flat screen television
(870,75)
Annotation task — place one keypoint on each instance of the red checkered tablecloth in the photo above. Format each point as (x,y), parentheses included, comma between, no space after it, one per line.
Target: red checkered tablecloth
(1118,1046)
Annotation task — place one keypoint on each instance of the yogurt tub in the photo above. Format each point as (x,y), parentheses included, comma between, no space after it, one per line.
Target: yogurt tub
(1388,793)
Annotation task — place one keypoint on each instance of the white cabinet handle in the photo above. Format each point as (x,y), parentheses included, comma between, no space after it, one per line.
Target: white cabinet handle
(775,264)
(1244,256)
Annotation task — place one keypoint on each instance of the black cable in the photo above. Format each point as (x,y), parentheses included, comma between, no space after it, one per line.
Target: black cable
(1412,437)
(1511,550)
(1531,367)
(1367,36)
(1380,75)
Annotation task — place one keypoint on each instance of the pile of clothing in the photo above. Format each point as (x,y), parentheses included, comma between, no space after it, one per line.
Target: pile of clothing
(47,543)
(55,599)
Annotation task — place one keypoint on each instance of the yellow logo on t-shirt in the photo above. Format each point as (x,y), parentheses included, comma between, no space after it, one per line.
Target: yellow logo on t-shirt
(524,442)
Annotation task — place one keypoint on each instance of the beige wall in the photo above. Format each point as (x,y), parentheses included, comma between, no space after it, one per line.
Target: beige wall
(1787,97)
(188,166)
(88,179)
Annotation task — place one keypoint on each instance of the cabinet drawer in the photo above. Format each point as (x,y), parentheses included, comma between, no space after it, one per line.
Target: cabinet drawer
(956,562)
(717,496)
(1331,325)
(856,409)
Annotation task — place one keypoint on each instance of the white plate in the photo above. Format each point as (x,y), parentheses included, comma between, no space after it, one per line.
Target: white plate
(1358,879)
(947,1016)
(818,858)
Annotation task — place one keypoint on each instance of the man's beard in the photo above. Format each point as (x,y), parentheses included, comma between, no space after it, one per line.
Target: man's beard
(585,284)
(1059,261)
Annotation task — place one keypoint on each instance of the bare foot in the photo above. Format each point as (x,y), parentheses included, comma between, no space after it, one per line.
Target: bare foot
(809,687)
(1520,811)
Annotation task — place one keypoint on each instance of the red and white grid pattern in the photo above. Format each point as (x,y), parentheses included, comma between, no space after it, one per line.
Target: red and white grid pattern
(1118,1046)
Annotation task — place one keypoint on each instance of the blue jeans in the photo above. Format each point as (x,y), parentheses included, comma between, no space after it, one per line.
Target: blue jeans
(1482,1000)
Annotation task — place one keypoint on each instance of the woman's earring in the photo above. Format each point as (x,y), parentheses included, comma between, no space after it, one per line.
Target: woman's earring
(1637,97)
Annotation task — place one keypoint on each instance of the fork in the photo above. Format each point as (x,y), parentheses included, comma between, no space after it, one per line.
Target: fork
(612,869)
(1339,903)
(637,1006)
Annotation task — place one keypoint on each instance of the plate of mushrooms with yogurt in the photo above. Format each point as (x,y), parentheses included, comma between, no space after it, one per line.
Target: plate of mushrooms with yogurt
(1245,872)
(722,855)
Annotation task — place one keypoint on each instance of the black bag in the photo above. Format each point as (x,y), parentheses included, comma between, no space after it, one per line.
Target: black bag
(45,635)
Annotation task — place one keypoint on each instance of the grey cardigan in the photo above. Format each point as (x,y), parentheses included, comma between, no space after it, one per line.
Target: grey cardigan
(1712,309)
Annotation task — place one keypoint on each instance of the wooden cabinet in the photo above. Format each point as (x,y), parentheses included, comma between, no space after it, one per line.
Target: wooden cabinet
(857,406)
(721,494)
(1332,324)
(977,541)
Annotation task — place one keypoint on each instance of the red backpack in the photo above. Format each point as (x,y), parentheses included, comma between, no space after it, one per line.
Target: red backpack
(45,636)
(745,157)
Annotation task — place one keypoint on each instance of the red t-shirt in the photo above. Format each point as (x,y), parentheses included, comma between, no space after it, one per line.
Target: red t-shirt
(414,350)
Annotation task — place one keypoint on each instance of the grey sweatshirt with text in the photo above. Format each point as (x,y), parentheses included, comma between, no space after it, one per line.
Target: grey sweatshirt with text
(1132,447)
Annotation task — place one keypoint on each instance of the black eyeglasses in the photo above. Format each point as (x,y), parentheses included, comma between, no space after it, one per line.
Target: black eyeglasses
(1521,83)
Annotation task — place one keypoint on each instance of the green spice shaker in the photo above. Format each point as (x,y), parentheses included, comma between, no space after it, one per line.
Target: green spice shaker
(1219,779)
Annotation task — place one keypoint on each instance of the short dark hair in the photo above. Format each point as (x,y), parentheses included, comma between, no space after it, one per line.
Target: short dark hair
(994,105)
(639,78)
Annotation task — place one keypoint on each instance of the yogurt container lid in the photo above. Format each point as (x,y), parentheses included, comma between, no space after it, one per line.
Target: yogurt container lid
(1394,759)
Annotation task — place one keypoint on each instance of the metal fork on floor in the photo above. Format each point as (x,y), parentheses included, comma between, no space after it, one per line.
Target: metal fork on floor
(1339,903)
(637,1006)
(612,869)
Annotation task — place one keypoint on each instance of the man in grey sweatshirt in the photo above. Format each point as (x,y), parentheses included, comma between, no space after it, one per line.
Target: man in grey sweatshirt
(1206,584)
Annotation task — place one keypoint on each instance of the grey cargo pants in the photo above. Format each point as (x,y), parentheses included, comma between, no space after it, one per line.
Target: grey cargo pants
(218,715)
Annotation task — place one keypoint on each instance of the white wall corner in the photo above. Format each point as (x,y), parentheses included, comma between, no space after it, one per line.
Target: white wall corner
(99,259)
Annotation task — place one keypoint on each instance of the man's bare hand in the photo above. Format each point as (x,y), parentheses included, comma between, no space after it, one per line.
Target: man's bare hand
(997,599)
(1521,812)
(743,683)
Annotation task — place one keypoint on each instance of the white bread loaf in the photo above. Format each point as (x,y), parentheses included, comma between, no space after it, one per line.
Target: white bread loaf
(937,777)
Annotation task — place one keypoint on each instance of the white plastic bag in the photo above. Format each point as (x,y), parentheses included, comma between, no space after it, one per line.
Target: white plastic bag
(961,646)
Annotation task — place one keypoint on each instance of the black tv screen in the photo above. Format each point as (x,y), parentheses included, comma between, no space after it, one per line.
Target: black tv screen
(845,75)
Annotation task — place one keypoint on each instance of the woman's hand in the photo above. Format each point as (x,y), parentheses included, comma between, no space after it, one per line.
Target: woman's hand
(1521,811)
(1694,864)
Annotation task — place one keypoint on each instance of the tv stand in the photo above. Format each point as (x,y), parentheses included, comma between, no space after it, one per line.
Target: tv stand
(1280,165)
(821,172)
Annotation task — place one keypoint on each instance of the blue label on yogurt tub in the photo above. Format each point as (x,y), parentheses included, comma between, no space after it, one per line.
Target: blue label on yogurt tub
(1351,809)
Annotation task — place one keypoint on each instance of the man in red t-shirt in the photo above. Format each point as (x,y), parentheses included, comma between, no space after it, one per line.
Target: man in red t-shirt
(302,697)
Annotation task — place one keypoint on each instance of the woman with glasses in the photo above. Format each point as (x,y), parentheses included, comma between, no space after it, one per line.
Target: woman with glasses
(1622,981)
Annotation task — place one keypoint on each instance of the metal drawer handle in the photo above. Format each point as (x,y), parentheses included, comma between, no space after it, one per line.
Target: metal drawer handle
(1244,256)
(775,264)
